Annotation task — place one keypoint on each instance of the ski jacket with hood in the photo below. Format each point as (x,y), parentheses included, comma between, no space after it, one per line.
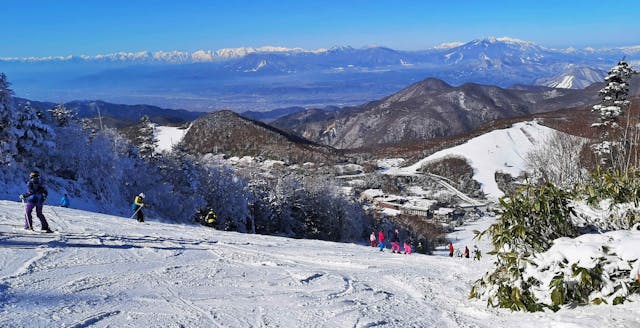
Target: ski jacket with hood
(36,192)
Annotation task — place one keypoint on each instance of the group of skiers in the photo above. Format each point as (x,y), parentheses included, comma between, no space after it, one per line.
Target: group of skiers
(476,252)
(36,196)
(394,241)
(394,236)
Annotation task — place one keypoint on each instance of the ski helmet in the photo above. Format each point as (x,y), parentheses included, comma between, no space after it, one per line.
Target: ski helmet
(34,174)
(141,195)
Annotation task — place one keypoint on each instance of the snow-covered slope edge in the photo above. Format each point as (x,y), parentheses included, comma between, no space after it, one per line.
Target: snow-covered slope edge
(501,150)
(111,271)
(169,136)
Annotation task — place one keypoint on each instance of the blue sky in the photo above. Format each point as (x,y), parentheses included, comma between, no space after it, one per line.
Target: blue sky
(47,27)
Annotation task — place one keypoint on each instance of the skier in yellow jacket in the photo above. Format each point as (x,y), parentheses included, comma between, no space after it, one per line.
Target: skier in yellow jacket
(138,203)
(211,218)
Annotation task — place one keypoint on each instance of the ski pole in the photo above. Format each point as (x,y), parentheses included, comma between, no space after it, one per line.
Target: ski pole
(26,218)
(136,212)
(54,212)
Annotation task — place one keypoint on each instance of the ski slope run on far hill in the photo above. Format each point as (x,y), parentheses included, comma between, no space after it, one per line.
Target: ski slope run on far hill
(501,150)
(111,271)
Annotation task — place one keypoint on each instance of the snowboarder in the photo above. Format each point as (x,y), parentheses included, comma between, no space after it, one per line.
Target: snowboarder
(64,201)
(381,240)
(138,203)
(372,239)
(466,252)
(407,247)
(450,249)
(420,247)
(395,242)
(211,218)
(35,196)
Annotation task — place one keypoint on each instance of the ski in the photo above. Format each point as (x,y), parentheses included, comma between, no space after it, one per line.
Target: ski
(28,231)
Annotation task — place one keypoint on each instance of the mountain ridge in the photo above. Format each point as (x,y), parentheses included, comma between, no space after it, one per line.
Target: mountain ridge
(232,134)
(204,55)
(428,109)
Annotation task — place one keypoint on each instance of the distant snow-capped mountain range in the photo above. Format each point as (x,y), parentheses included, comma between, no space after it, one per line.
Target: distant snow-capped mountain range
(455,48)
(265,78)
(169,56)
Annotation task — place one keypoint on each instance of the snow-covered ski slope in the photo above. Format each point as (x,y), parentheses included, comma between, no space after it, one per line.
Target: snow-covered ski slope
(501,150)
(102,270)
(168,136)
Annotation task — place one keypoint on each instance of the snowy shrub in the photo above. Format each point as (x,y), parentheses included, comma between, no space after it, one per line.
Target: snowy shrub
(557,160)
(616,192)
(592,268)
(528,222)
(532,218)
(540,266)
(621,187)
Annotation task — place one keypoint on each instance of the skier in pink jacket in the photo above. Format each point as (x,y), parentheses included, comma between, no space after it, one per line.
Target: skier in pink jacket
(395,242)
(407,247)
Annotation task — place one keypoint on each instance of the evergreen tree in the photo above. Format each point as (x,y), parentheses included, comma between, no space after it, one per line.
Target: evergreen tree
(7,133)
(617,143)
(62,115)
(146,138)
(31,132)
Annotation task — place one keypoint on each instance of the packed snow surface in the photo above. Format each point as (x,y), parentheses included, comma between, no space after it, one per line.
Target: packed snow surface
(496,151)
(102,270)
(168,136)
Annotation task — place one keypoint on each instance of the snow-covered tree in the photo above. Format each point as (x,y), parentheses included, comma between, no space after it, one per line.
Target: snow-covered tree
(7,133)
(62,115)
(557,160)
(618,143)
(227,194)
(90,127)
(146,138)
(33,136)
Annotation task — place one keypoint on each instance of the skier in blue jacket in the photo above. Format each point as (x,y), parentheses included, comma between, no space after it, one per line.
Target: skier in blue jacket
(64,201)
